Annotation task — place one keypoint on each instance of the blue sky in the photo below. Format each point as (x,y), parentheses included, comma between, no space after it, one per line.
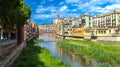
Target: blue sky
(44,11)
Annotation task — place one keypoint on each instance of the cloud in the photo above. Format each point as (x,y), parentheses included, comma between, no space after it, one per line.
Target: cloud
(63,15)
(73,8)
(113,6)
(61,3)
(43,16)
(41,12)
(63,8)
(42,9)
(108,8)
(94,6)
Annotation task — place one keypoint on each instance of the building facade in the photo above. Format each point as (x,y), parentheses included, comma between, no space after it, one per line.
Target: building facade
(87,21)
(107,24)
(46,28)
(30,30)
(87,26)
(78,31)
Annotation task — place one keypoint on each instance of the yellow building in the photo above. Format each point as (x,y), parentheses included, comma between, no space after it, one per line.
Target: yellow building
(78,31)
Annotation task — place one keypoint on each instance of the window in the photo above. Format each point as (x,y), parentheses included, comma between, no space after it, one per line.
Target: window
(99,32)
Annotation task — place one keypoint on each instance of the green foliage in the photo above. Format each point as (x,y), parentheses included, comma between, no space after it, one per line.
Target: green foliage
(24,14)
(13,13)
(108,65)
(50,60)
(95,50)
(35,56)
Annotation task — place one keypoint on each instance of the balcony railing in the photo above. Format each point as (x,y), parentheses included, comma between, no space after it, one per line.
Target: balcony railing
(7,42)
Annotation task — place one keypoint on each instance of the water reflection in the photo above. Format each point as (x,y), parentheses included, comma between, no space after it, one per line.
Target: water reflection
(67,56)
(48,37)
(76,60)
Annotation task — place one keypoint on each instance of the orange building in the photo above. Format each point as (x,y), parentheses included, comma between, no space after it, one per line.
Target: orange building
(78,31)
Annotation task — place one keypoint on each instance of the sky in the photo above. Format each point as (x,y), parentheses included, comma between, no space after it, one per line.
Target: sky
(44,11)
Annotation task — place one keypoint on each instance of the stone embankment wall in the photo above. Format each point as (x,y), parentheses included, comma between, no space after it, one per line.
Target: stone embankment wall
(106,39)
(109,39)
(8,59)
(5,46)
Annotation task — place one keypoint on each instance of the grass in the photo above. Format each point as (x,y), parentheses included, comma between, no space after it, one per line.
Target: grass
(108,65)
(50,60)
(35,56)
(101,52)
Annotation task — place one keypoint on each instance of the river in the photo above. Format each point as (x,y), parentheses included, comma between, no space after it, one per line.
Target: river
(67,56)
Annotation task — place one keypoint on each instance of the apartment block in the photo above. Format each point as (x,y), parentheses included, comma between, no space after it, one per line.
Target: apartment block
(87,20)
(107,24)
(67,27)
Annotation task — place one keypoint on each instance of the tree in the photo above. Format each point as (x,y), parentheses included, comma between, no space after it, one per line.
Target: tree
(22,15)
(13,13)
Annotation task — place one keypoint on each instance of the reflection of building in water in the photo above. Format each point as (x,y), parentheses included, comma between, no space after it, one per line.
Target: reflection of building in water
(46,28)
(59,50)
(75,57)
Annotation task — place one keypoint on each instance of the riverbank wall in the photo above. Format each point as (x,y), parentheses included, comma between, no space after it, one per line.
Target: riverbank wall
(105,39)
(9,54)
(7,60)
